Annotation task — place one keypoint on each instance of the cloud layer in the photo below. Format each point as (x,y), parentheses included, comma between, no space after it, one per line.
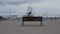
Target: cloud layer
(17,2)
(46,7)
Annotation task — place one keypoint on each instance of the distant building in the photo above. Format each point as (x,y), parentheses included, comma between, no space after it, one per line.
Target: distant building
(10,16)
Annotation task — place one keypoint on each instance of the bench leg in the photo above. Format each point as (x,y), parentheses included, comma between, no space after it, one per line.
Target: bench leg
(41,23)
(23,23)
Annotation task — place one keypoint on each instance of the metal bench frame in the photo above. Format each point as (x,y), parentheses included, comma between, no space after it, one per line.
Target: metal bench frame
(32,19)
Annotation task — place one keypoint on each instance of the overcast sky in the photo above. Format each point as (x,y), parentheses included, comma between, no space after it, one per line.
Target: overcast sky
(40,7)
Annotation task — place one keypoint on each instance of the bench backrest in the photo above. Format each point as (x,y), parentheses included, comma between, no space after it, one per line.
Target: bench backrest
(32,18)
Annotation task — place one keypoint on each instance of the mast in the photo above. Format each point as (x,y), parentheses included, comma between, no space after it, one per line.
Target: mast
(10,12)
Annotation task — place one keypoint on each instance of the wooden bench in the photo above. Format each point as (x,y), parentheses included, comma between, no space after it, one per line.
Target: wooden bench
(32,19)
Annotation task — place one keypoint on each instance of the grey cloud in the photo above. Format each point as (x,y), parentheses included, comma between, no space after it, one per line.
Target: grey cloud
(17,2)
